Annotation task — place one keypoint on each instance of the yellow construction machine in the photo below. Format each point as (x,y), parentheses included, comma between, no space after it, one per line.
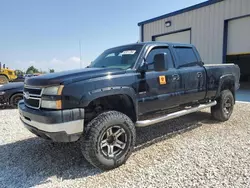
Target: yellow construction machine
(6,75)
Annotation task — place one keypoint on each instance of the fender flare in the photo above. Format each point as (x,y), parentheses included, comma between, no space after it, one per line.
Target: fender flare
(5,76)
(108,91)
(223,79)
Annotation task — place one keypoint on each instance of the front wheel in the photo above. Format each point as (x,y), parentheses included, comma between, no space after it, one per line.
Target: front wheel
(3,80)
(224,108)
(14,100)
(109,140)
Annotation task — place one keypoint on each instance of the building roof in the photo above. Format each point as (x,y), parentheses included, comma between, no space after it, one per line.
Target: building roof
(197,6)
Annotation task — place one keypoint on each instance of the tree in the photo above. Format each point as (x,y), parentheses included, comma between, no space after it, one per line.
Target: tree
(32,70)
(19,72)
(51,70)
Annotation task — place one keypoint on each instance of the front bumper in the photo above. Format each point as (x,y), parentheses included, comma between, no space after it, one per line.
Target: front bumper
(56,125)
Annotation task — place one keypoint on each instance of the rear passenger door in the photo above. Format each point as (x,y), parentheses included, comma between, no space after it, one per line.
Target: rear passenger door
(192,85)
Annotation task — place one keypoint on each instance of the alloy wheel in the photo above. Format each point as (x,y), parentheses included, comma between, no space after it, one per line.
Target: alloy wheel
(113,141)
(227,106)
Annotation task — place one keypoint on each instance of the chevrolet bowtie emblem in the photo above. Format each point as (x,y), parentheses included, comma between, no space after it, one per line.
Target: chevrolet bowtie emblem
(26,95)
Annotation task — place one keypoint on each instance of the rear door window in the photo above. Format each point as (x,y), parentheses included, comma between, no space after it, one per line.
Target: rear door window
(186,56)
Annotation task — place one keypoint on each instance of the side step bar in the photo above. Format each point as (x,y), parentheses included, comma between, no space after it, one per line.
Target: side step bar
(146,123)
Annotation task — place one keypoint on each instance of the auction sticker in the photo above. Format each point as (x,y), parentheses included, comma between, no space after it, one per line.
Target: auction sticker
(128,52)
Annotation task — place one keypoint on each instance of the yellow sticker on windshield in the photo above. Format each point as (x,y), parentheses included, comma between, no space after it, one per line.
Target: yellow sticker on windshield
(162,80)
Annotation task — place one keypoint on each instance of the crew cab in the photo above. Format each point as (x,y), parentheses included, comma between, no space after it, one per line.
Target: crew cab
(130,86)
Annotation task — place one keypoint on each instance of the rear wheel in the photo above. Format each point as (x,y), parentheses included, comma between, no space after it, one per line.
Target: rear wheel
(3,80)
(224,108)
(14,100)
(109,140)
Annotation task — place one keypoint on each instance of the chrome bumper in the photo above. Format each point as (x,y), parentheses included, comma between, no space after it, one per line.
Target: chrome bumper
(71,127)
(58,125)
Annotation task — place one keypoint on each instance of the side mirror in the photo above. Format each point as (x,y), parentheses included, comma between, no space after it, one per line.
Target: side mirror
(144,66)
(160,62)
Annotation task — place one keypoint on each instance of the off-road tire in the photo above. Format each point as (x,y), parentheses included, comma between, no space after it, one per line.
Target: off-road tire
(218,111)
(3,80)
(14,99)
(93,135)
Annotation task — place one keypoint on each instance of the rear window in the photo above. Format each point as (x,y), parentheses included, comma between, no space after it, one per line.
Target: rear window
(185,56)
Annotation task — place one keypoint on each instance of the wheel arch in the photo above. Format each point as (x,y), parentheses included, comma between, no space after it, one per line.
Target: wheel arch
(1,74)
(19,92)
(226,82)
(122,99)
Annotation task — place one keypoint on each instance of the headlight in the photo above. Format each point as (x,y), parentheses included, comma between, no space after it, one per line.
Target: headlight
(51,97)
(2,92)
(55,90)
(51,104)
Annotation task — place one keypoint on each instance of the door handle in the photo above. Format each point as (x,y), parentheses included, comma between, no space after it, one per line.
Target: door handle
(175,77)
(199,74)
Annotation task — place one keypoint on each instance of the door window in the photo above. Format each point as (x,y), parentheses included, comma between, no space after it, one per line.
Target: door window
(151,55)
(185,56)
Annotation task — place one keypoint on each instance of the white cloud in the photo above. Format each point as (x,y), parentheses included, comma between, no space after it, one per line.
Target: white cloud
(57,64)
(75,59)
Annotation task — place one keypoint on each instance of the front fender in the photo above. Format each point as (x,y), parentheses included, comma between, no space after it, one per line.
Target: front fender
(108,91)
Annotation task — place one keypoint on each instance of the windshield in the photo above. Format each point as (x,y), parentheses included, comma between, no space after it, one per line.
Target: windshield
(121,57)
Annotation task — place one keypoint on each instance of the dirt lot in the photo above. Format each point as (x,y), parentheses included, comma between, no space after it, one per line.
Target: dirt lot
(189,151)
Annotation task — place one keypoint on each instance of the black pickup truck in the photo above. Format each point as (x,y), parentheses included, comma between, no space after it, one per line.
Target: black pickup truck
(129,86)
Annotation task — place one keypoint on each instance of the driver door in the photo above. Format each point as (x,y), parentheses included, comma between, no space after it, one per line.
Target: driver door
(157,89)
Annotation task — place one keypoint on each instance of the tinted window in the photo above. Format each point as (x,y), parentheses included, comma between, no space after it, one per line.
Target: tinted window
(151,55)
(185,56)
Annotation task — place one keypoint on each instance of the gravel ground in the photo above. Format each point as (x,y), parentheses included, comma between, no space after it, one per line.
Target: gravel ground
(192,151)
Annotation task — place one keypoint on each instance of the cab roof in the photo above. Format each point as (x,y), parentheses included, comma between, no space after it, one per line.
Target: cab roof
(156,43)
(165,43)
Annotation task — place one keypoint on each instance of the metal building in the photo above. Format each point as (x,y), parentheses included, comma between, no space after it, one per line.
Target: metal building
(220,29)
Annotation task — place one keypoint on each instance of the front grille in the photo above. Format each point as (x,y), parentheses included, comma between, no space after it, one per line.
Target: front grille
(33,103)
(33,91)
(32,96)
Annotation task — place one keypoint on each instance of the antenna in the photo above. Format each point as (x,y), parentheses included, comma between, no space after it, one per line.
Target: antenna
(80,48)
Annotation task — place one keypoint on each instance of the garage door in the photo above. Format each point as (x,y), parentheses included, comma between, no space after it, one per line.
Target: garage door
(238,45)
(238,41)
(180,37)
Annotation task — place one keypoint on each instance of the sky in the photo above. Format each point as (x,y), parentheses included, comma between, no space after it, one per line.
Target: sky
(47,33)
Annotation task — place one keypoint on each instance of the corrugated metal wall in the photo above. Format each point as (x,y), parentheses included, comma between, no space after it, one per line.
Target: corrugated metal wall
(207,26)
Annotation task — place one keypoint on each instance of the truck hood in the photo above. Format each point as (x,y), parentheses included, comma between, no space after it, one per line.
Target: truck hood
(67,77)
(13,85)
